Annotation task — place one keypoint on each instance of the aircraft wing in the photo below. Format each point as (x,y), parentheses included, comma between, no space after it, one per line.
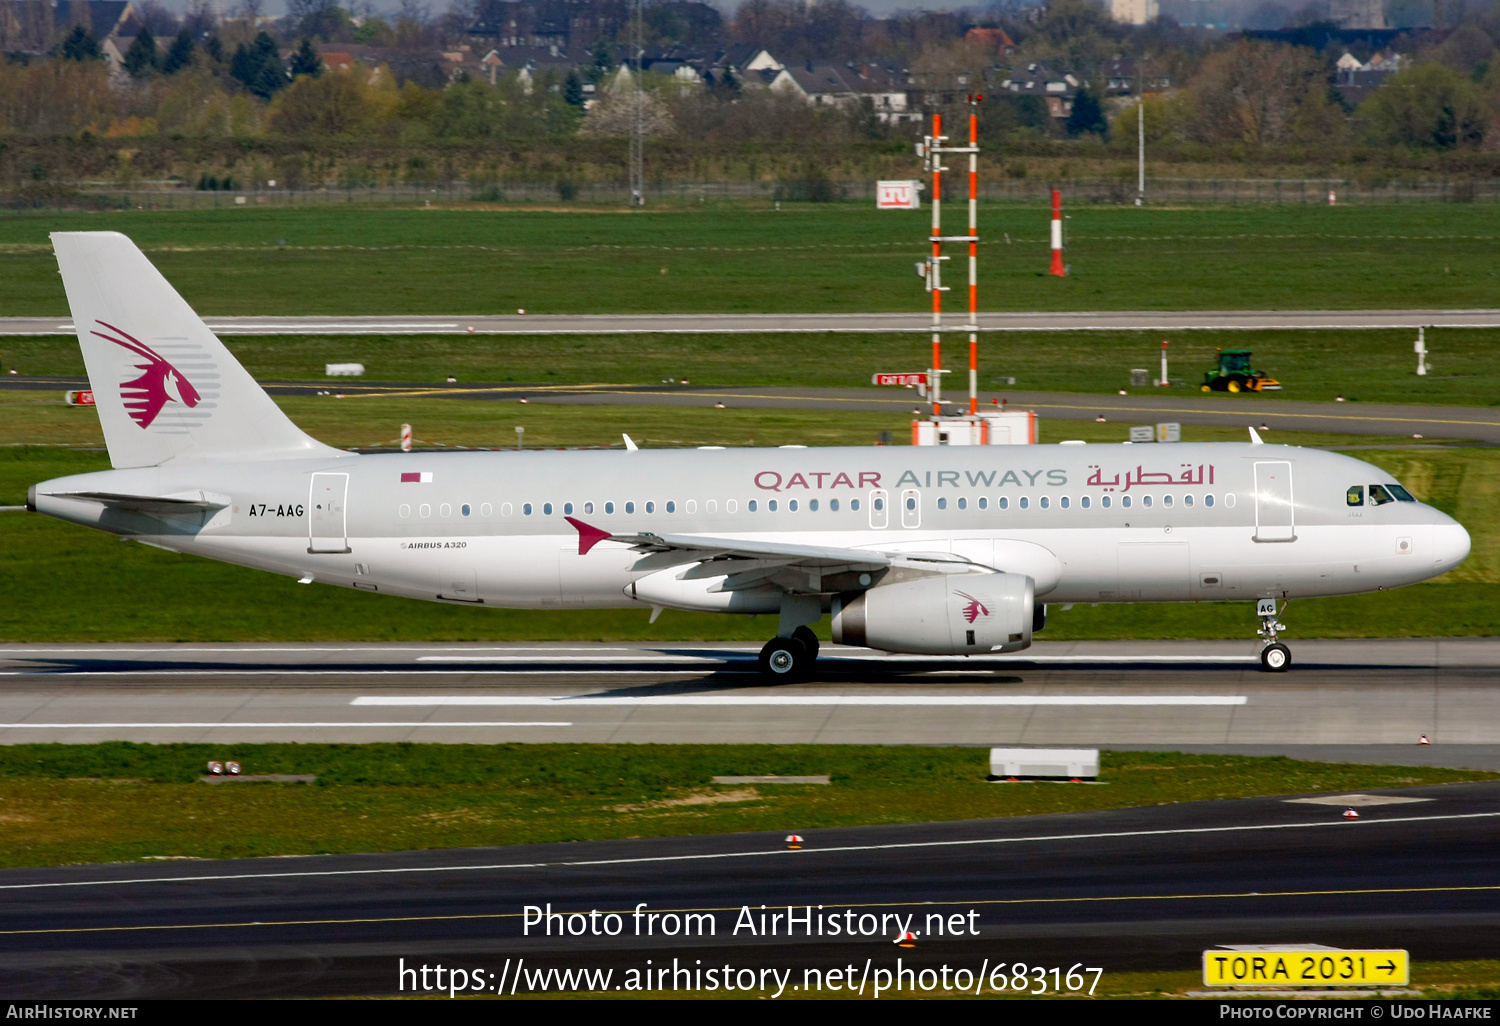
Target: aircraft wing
(746,563)
(664,550)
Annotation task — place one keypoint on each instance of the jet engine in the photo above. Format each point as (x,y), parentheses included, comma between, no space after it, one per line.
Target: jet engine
(944,614)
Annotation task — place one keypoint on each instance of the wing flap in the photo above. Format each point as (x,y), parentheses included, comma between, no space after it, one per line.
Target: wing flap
(660,551)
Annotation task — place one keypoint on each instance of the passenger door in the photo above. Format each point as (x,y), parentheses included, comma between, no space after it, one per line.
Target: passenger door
(327,523)
(1274,511)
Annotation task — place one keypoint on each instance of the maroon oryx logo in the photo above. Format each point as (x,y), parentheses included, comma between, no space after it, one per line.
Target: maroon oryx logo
(975,609)
(159,382)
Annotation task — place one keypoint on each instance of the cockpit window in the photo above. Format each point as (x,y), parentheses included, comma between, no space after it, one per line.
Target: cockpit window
(1379,496)
(1355,496)
(1401,493)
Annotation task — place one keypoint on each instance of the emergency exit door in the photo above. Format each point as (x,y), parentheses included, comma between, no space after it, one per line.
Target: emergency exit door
(1275,514)
(327,523)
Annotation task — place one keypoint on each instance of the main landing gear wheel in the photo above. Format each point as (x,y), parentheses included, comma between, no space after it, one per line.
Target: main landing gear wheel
(783,659)
(809,641)
(1276,658)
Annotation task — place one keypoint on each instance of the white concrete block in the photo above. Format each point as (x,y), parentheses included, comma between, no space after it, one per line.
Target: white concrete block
(1067,763)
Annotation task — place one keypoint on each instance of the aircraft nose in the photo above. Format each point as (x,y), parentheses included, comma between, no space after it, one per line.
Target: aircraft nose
(1451,545)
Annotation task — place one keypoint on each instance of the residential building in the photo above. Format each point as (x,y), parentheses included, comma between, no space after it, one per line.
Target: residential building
(819,84)
(1125,76)
(1058,88)
(994,39)
(105,19)
(889,93)
(1356,81)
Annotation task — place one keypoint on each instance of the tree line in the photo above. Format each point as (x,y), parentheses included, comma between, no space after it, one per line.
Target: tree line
(1233,102)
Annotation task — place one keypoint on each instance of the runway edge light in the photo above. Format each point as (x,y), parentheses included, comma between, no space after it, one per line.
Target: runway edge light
(1304,965)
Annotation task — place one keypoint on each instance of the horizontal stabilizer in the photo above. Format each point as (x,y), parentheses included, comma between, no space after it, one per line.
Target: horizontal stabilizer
(168,504)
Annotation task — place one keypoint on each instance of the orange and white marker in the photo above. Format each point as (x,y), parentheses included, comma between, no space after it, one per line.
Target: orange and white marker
(1423,740)
(1350,814)
(1057,262)
(216,768)
(935,269)
(406,438)
(973,256)
(794,841)
(907,940)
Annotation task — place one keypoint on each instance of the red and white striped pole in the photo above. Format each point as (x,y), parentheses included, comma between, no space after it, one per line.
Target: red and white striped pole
(935,386)
(973,259)
(406,438)
(1057,262)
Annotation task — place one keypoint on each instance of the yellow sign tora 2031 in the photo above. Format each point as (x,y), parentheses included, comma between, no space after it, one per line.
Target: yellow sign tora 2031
(1315,967)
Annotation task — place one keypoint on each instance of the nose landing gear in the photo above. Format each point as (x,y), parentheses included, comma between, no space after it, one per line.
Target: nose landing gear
(1274,656)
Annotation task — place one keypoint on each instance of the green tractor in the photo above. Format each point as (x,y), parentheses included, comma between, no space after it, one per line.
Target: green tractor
(1234,374)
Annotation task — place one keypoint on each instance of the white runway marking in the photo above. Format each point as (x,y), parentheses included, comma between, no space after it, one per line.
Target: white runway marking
(803,853)
(256,649)
(663,653)
(239,723)
(800,700)
(373,328)
(279,671)
(644,657)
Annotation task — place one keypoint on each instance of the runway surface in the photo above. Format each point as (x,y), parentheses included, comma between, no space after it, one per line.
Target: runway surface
(1131,889)
(1143,406)
(1345,700)
(624,324)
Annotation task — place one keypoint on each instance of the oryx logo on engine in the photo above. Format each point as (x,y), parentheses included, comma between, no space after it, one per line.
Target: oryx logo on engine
(975,609)
(158,384)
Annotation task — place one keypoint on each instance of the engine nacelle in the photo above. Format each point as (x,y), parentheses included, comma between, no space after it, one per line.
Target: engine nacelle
(945,614)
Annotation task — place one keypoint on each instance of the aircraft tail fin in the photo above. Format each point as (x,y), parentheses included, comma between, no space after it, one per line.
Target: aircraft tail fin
(164,385)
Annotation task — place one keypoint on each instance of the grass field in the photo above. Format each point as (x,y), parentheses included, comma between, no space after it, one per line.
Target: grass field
(1370,366)
(119,802)
(817,257)
(59,568)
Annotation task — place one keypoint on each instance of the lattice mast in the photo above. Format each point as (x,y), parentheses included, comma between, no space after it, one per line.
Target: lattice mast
(933,150)
(637,112)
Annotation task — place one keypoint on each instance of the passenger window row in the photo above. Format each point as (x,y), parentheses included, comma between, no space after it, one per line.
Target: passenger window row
(1086,502)
(1378,494)
(548,509)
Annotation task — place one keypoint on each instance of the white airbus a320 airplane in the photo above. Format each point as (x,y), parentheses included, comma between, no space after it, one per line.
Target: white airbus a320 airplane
(925,550)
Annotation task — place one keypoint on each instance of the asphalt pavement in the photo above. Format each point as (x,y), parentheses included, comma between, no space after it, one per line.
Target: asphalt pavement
(537,323)
(1123,890)
(1353,701)
(1141,406)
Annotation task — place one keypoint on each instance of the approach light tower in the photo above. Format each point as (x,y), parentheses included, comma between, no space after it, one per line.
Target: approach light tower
(932,150)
